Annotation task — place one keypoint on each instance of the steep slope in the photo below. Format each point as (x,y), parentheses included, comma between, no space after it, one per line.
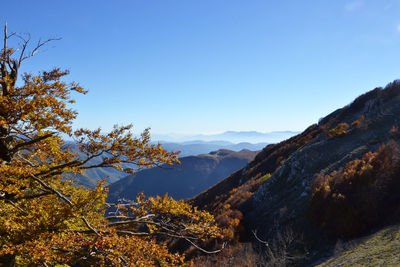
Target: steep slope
(196,173)
(279,190)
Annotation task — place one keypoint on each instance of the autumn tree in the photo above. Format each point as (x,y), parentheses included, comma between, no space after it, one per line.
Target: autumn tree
(44,218)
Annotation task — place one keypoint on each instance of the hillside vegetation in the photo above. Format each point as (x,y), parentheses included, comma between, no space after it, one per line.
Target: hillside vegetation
(379,249)
(46,220)
(338,180)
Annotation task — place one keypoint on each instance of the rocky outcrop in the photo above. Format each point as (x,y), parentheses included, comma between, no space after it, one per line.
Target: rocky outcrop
(282,201)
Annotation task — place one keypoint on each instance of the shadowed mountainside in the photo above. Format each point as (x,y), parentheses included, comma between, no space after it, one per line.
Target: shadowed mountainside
(195,174)
(190,148)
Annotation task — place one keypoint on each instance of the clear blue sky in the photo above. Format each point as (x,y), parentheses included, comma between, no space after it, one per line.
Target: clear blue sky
(208,66)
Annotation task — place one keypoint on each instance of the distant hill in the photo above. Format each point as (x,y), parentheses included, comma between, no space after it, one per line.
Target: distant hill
(92,176)
(231,136)
(195,174)
(189,148)
(197,147)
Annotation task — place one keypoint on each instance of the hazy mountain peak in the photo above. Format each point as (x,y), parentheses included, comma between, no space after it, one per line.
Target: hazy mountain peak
(230,136)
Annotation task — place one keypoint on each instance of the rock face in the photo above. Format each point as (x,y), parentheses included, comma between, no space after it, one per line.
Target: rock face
(289,187)
(282,201)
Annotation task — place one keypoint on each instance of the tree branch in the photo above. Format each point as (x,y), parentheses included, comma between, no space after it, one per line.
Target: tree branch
(17,207)
(36,49)
(33,141)
(59,194)
(259,239)
(89,226)
(203,250)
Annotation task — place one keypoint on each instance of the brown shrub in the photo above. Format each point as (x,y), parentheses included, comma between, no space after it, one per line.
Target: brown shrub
(359,122)
(228,214)
(350,201)
(394,132)
(241,254)
(229,198)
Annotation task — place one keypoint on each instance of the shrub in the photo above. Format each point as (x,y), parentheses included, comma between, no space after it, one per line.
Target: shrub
(340,129)
(265,178)
(241,254)
(358,122)
(394,132)
(351,200)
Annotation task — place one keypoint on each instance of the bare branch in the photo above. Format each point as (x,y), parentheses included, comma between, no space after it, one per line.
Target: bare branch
(89,226)
(133,233)
(133,221)
(27,161)
(259,239)
(59,194)
(206,251)
(130,218)
(24,45)
(17,207)
(36,49)
(5,38)
(46,193)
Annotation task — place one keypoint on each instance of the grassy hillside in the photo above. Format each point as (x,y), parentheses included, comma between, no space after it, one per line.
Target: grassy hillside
(379,249)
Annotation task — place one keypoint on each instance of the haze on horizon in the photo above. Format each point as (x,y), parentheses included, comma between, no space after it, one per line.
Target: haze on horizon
(213,66)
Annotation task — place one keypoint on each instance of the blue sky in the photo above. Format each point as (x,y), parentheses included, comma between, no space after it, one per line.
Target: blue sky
(208,66)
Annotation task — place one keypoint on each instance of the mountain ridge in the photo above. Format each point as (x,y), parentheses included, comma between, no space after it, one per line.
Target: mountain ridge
(190,148)
(273,194)
(230,136)
(193,175)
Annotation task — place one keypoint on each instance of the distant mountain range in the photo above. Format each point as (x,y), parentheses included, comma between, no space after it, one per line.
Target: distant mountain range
(230,136)
(194,175)
(189,148)
(92,176)
(197,147)
(192,146)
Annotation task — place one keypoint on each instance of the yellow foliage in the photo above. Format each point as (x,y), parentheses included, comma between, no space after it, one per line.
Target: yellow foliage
(340,129)
(45,219)
(264,178)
